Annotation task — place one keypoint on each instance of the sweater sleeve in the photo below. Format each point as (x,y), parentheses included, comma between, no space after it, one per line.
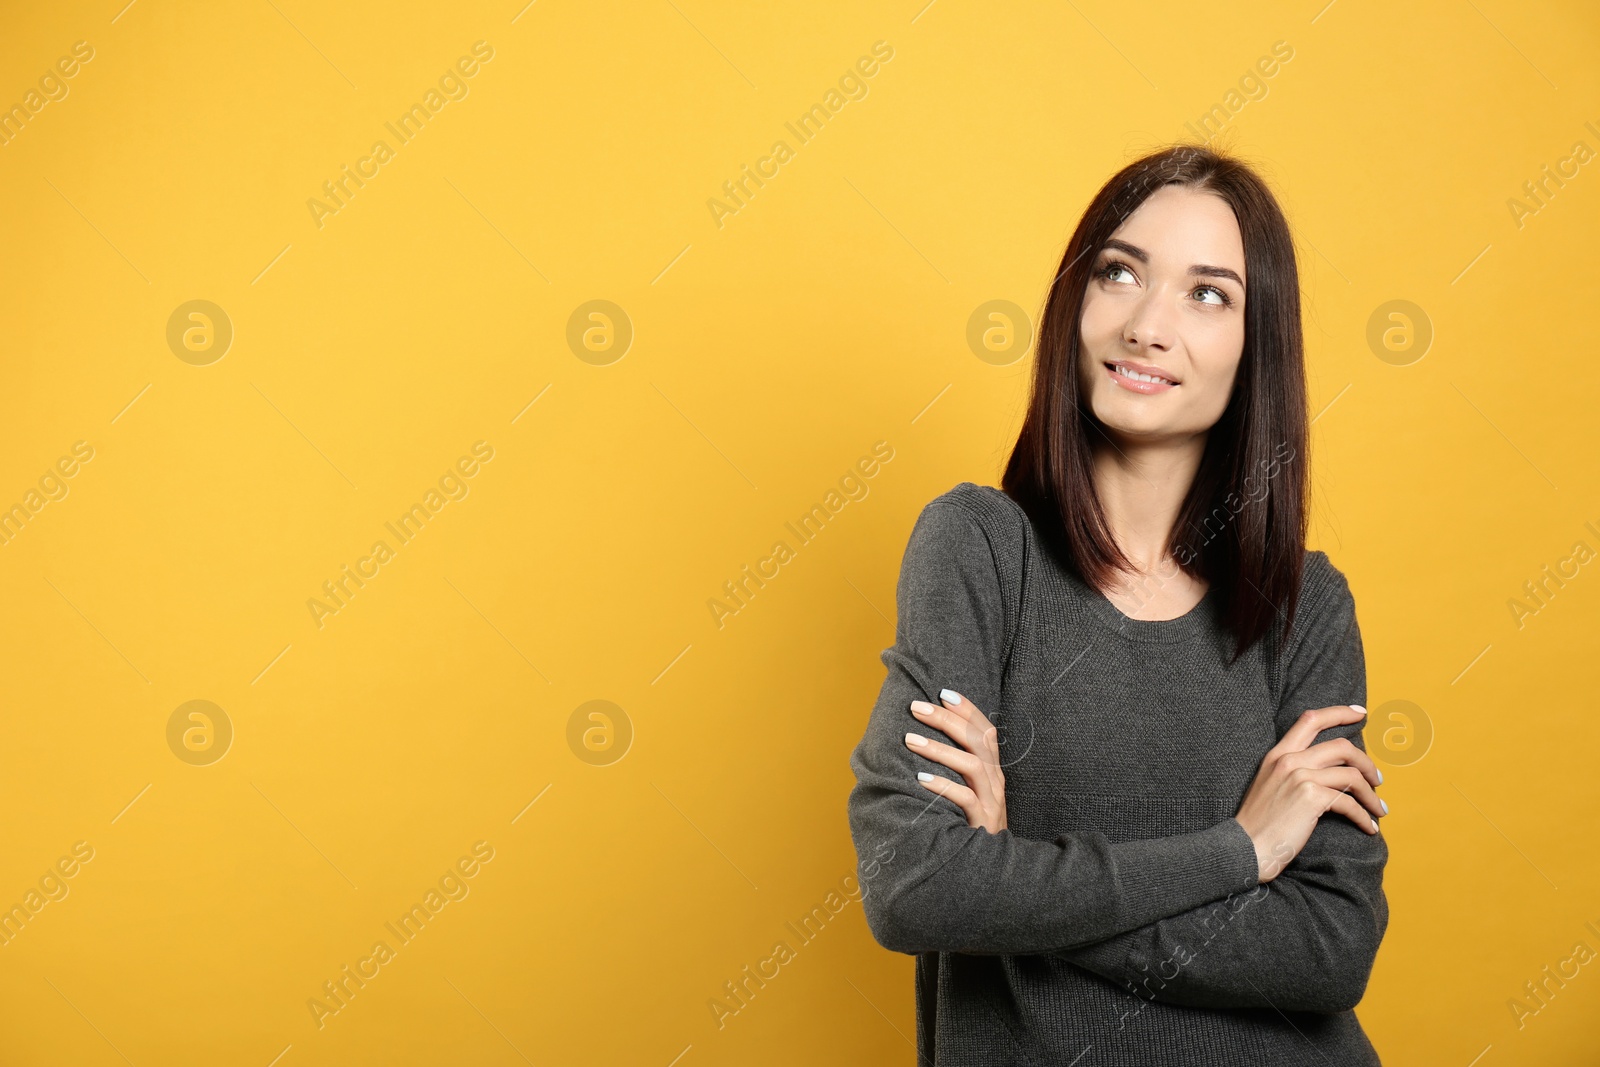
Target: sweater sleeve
(1307,940)
(932,883)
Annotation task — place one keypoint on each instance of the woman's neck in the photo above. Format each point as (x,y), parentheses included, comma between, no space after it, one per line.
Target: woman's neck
(1141,488)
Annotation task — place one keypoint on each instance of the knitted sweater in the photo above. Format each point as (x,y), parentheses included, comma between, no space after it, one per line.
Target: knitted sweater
(1119,919)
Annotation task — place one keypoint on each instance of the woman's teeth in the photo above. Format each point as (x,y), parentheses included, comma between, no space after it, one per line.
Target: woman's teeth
(1126,373)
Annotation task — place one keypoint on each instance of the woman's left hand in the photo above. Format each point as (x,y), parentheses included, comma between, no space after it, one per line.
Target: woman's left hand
(983,798)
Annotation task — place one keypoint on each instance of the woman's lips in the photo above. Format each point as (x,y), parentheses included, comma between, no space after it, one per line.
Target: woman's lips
(1136,386)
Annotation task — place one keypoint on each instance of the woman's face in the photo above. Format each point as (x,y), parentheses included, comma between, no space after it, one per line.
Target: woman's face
(1166,297)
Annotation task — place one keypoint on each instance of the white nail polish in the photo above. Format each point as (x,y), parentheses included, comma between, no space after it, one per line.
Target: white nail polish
(950,696)
(1384,804)
(924,776)
(1358,707)
(1380,774)
(916,739)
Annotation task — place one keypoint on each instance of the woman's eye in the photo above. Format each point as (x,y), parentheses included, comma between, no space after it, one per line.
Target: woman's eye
(1221,297)
(1109,271)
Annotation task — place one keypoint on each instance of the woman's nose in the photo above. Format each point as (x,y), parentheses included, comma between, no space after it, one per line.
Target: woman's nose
(1150,323)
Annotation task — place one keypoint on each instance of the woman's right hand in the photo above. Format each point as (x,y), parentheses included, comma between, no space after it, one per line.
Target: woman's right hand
(1297,784)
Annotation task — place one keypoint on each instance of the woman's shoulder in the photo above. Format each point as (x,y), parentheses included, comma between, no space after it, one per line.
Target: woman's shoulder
(1322,584)
(972,537)
(1000,518)
(1325,607)
(985,502)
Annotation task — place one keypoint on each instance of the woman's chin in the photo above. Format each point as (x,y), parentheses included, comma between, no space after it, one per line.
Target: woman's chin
(1136,426)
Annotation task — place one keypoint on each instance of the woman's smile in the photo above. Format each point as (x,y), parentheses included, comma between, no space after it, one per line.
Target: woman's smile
(1138,378)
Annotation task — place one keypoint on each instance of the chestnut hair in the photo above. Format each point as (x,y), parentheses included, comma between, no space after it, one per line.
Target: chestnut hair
(1246,540)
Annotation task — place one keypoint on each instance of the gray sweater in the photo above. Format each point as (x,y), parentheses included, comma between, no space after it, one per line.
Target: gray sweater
(1119,918)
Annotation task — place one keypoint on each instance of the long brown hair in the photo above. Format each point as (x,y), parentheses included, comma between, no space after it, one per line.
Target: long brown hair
(1242,526)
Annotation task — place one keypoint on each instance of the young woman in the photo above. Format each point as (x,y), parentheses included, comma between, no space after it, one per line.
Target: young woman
(1113,794)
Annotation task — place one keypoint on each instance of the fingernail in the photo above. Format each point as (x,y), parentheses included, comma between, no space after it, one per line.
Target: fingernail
(1374,824)
(1385,805)
(916,739)
(1380,774)
(924,776)
(1358,707)
(919,708)
(950,696)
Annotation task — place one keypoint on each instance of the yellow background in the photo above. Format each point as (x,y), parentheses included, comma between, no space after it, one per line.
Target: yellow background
(769,354)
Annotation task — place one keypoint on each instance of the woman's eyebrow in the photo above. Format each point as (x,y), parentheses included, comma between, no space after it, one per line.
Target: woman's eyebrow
(1202,271)
(1199,270)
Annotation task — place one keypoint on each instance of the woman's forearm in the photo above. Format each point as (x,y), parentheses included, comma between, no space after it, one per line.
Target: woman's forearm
(1305,941)
(953,887)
